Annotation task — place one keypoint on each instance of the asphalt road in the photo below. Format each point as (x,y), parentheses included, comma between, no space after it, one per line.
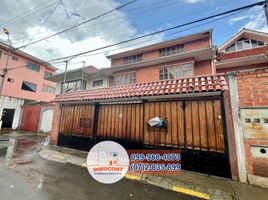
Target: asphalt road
(24,175)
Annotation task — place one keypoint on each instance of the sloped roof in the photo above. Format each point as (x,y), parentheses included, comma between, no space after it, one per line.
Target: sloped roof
(241,54)
(244,33)
(201,84)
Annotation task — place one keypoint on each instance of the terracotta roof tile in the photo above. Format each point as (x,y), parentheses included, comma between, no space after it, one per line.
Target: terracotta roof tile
(243,53)
(202,84)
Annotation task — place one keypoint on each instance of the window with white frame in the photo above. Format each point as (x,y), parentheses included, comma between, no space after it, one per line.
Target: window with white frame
(133,59)
(125,78)
(244,44)
(177,49)
(176,71)
(48,89)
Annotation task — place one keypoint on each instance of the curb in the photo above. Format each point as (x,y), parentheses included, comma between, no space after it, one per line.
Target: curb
(177,186)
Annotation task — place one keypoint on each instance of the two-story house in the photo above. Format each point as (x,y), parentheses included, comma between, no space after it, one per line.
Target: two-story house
(84,78)
(24,80)
(187,56)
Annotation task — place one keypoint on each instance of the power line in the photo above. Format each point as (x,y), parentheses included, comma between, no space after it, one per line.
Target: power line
(84,22)
(164,30)
(27,13)
(173,33)
(41,26)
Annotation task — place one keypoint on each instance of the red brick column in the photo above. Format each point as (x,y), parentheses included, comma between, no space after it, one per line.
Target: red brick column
(55,124)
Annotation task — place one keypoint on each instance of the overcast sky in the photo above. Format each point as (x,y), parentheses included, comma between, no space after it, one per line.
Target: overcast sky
(27,18)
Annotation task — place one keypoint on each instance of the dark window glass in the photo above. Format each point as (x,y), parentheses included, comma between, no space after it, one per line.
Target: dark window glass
(14,58)
(97,83)
(28,86)
(257,120)
(247,120)
(265,120)
(171,50)
(73,85)
(47,74)
(33,66)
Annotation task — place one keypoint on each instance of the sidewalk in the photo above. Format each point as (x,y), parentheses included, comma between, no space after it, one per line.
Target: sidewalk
(199,185)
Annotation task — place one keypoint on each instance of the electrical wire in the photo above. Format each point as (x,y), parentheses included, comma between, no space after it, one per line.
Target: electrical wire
(27,13)
(84,22)
(161,31)
(50,14)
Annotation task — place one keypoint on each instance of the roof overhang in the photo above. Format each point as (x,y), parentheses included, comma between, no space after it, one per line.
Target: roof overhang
(244,33)
(200,55)
(243,61)
(160,45)
(28,56)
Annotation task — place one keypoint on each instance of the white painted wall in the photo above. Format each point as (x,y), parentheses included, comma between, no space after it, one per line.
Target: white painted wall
(11,103)
(46,117)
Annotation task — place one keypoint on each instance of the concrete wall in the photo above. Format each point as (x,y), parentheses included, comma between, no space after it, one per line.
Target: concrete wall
(46,118)
(19,73)
(12,103)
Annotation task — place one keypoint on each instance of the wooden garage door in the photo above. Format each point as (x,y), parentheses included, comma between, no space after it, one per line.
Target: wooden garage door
(122,122)
(77,120)
(195,125)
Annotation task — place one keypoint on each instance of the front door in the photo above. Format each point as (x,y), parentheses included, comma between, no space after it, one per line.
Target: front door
(7,118)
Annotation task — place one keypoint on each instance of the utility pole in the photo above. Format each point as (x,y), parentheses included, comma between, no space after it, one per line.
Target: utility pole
(265,7)
(82,78)
(65,73)
(7,60)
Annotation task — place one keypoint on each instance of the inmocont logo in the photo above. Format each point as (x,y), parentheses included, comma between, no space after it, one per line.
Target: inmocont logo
(107,162)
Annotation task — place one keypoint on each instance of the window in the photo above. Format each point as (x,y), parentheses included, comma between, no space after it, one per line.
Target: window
(124,79)
(47,74)
(14,58)
(11,80)
(133,59)
(73,85)
(48,89)
(244,43)
(97,83)
(171,50)
(176,71)
(28,86)
(33,66)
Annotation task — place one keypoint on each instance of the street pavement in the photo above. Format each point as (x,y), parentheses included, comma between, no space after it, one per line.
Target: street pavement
(24,175)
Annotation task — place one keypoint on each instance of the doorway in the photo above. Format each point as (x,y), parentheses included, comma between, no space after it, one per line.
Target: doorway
(7,117)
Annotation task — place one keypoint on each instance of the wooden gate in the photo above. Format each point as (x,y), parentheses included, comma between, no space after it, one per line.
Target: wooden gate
(76,126)
(195,127)
(122,123)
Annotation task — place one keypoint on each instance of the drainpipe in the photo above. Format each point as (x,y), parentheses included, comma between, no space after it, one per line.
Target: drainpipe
(238,131)
(82,78)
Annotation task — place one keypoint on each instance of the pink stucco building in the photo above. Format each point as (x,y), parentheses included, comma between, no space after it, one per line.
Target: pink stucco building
(24,81)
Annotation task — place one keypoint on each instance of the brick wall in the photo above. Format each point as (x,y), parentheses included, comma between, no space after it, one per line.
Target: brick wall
(188,46)
(253,88)
(55,125)
(151,73)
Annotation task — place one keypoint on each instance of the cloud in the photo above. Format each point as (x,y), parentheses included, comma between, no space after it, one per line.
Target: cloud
(194,1)
(257,20)
(238,19)
(98,33)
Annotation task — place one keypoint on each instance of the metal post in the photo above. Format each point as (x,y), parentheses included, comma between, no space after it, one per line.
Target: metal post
(65,72)
(7,60)
(265,6)
(82,78)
